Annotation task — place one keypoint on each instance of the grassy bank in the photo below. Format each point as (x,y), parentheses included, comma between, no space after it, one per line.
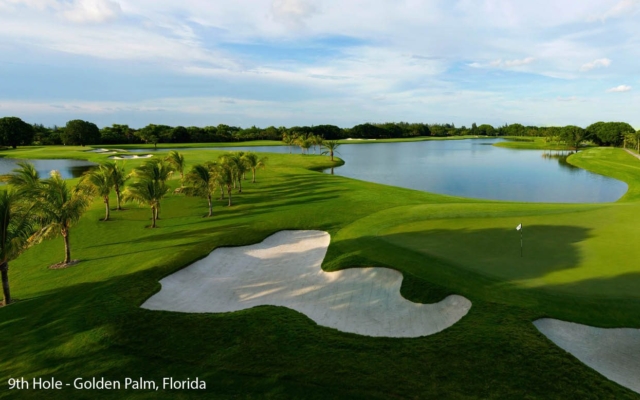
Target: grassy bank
(85,321)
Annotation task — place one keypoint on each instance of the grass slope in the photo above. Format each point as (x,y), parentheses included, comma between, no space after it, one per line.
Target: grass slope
(85,321)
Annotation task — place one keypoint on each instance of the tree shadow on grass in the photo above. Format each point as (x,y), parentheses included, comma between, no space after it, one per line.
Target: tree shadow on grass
(496,252)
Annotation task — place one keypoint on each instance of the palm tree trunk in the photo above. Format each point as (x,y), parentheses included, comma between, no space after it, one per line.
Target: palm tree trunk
(210,206)
(221,193)
(240,184)
(157,212)
(67,248)
(106,206)
(253,170)
(154,212)
(4,270)
(331,155)
(118,208)
(229,193)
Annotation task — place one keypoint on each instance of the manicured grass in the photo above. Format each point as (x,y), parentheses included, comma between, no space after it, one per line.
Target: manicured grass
(534,143)
(579,265)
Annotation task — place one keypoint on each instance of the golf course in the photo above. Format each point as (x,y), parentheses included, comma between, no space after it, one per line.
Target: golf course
(579,263)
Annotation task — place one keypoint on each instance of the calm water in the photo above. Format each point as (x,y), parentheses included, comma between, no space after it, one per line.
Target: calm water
(68,168)
(470,168)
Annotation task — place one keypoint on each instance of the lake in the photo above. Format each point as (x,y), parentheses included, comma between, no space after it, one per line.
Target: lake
(470,168)
(68,168)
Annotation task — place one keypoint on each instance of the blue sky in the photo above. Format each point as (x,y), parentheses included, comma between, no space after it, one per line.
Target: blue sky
(303,62)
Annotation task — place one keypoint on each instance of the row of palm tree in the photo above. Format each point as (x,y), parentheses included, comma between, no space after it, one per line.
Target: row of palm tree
(33,209)
(227,172)
(304,140)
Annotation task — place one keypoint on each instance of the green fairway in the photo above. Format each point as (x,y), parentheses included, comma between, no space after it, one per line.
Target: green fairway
(579,264)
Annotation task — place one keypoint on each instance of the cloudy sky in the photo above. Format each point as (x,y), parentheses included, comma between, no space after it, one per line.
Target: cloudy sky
(304,62)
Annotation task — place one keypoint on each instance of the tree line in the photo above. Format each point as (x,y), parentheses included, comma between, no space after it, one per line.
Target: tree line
(35,208)
(15,132)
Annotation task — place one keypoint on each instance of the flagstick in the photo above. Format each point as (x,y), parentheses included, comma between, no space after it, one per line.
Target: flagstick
(521,240)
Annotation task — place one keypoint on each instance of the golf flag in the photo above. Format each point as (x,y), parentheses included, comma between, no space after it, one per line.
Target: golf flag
(519,227)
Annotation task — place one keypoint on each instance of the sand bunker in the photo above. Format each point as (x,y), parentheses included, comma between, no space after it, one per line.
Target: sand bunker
(284,270)
(615,353)
(130,157)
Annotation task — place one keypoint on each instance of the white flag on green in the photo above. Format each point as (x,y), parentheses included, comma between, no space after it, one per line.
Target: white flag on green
(519,227)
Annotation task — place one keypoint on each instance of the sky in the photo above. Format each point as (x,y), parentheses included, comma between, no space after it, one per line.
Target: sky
(312,62)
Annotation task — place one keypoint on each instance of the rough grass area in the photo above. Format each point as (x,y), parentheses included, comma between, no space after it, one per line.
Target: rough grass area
(580,265)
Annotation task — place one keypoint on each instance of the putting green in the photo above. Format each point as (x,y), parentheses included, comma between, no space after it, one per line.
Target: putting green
(559,249)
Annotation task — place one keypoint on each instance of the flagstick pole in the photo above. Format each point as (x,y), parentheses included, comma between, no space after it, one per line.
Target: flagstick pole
(521,229)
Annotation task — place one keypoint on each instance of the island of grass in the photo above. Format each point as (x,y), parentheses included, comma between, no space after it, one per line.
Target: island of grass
(579,265)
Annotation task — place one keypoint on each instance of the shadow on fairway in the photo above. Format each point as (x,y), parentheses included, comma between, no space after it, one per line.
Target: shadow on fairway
(496,252)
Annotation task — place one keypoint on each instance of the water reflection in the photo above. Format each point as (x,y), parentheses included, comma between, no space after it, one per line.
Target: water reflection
(468,168)
(68,168)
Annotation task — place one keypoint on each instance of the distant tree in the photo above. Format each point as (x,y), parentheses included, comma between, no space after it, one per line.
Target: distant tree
(15,132)
(153,133)
(179,134)
(573,136)
(474,129)
(608,133)
(514,130)
(328,132)
(79,132)
(486,130)
(368,131)
(116,134)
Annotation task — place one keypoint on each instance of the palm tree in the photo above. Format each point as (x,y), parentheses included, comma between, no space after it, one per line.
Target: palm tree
(226,174)
(118,180)
(177,161)
(15,230)
(24,179)
(202,181)
(57,208)
(147,192)
(331,146)
(289,140)
(253,162)
(317,141)
(99,180)
(156,171)
(304,143)
(236,165)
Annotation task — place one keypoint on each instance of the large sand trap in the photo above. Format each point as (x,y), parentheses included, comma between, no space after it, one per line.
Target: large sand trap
(284,270)
(615,353)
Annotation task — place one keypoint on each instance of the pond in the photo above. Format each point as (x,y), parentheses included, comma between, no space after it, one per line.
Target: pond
(470,168)
(68,168)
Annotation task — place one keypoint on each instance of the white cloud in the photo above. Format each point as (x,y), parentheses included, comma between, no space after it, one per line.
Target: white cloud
(619,89)
(87,11)
(599,63)
(519,63)
(499,63)
(292,13)
(624,7)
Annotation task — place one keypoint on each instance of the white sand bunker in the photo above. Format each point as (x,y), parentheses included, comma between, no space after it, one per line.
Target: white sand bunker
(615,353)
(285,270)
(130,157)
